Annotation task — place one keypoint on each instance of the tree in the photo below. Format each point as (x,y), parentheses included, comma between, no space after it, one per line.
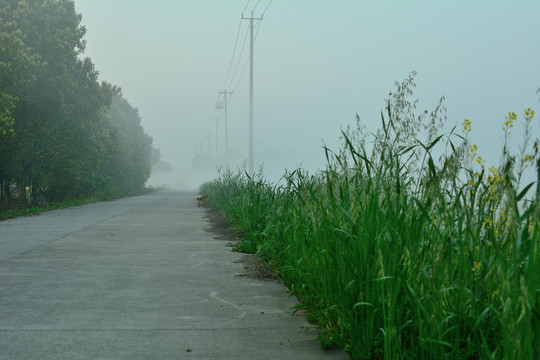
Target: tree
(57,114)
(60,129)
(129,148)
(18,68)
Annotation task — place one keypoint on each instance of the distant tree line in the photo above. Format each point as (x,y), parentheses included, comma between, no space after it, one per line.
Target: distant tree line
(61,131)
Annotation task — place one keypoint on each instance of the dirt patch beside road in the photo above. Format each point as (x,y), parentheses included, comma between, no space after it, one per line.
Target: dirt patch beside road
(219,225)
(254,268)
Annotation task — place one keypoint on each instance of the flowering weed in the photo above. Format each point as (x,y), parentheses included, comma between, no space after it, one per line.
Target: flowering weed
(397,255)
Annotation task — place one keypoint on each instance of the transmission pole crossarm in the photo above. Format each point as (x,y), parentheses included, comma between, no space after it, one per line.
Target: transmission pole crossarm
(251,17)
(223,105)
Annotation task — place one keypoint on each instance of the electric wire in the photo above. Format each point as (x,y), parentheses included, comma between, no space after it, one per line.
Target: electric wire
(247,59)
(245,7)
(234,49)
(256,32)
(266,8)
(234,52)
(233,77)
(257,4)
(239,59)
(242,75)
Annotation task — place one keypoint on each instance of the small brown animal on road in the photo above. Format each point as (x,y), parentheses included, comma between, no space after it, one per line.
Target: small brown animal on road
(201,200)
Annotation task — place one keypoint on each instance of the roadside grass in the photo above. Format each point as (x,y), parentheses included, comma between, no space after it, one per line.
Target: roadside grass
(17,211)
(24,208)
(396,255)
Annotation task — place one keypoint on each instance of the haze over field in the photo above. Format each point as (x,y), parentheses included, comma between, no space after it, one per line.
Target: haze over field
(316,65)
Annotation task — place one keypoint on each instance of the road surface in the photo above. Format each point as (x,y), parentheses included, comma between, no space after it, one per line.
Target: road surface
(138,278)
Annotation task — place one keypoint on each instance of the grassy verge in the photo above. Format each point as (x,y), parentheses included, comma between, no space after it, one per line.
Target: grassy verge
(396,255)
(36,210)
(26,209)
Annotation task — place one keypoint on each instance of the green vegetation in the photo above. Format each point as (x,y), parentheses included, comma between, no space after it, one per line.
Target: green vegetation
(27,209)
(62,133)
(36,210)
(396,255)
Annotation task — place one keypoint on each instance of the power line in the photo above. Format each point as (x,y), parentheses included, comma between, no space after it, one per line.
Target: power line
(246,6)
(232,79)
(257,32)
(243,45)
(266,8)
(222,105)
(247,60)
(257,4)
(239,58)
(241,76)
(234,51)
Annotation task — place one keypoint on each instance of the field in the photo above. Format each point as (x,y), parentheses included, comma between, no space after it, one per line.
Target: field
(398,253)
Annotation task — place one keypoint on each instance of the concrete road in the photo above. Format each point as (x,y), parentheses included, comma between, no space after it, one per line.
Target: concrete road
(138,278)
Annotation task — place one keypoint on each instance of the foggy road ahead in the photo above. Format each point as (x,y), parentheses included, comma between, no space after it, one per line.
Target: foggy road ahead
(138,278)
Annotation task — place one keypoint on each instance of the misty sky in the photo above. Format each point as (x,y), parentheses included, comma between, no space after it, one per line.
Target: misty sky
(317,64)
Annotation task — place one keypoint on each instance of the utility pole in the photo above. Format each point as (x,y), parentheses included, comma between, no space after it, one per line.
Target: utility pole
(216,138)
(250,162)
(223,105)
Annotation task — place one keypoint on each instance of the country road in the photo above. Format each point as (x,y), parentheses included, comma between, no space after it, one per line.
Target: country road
(138,278)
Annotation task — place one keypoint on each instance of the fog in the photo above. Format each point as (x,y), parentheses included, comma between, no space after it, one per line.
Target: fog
(316,65)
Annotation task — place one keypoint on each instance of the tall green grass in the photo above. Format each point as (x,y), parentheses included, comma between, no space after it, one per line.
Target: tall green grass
(397,255)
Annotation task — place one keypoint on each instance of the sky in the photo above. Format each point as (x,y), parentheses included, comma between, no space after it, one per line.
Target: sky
(317,64)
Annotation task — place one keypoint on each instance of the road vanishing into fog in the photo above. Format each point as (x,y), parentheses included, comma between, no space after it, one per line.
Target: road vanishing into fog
(138,278)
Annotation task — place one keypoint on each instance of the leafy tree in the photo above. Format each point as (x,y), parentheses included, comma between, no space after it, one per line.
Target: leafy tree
(18,68)
(7,104)
(44,114)
(60,129)
(158,165)
(129,148)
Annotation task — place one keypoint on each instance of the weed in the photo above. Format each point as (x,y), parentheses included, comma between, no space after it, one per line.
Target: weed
(398,255)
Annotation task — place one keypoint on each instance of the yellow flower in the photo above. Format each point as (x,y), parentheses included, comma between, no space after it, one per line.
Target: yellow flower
(529,114)
(466,126)
(528,159)
(480,160)
(509,123)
